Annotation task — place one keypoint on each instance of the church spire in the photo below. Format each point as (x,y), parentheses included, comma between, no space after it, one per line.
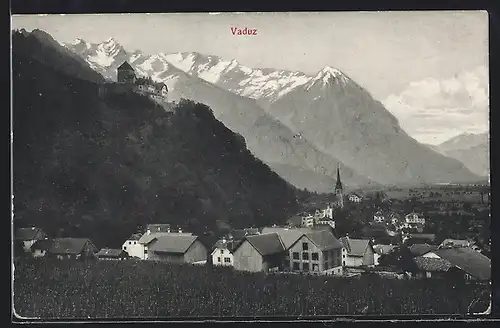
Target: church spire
(338,185)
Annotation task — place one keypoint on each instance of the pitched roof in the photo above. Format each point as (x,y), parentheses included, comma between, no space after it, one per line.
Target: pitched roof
(266,244)
(287,236)
(62,245)
(125,66)
(421,249)
(383,249)
(135,236)
(467,259)
(230,245)
(239,234)
(455,242)
(428,236)
(27,233)
(172,243)
(109,252)
(432,264)
(148,238)
(324,240)
(355,247)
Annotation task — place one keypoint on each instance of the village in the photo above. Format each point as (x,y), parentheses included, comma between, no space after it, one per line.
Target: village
(391,246)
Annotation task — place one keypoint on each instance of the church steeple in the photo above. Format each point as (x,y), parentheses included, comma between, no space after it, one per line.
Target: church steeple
(339,190)
(338,185)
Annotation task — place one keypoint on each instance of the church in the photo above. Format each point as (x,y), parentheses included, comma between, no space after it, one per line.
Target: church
(339,191)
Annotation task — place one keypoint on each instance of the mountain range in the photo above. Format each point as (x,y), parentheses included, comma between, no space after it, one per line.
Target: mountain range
(301,125)
(87,164)
(470,149)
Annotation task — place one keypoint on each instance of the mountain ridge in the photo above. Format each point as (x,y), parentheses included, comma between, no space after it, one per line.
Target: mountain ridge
(329,110)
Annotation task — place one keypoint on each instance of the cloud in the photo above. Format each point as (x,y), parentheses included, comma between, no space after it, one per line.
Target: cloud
(433,110)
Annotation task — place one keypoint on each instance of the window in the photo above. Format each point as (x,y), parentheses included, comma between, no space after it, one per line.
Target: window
(305,256)
(295,255)
(296,266)
(343,256)
(343,263)
(218,259)
(305,246)
(222,252)
(145,251)
(227,260)
(125,247)
(305,266)
(315,267)
(135,243)
(130,243)
(314,256)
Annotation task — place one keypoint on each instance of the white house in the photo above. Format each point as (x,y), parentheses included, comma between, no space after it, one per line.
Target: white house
(360,252)
(132,246)
(379,217)
(28,236)
(414,218)
(355,198)
(223,253)
(308,220)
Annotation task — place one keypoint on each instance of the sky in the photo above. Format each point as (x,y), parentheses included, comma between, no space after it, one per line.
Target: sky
(430,69)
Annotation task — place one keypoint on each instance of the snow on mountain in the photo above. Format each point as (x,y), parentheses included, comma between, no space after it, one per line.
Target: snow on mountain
(326,76)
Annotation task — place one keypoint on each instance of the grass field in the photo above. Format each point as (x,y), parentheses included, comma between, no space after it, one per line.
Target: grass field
(140,289)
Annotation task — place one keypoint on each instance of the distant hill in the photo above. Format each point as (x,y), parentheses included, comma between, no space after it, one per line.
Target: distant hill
(101,167)
(473,150)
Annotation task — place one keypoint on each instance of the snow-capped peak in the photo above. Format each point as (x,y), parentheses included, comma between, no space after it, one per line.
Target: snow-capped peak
(77,41)
(328,75)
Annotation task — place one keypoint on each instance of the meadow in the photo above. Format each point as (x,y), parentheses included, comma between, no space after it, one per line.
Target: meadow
(142,289)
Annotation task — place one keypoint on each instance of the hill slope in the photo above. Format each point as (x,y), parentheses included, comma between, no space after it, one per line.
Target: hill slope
(87,166)
(471,149)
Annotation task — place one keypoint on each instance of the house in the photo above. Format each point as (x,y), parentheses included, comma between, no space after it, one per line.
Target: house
(427,267)
(112,254)
(28,236)
(264,252)
(355,198)
(316,251)
(173,247)
(420,249)
(240,234)
(222,254)
(64,248)
(456,242)
(359,252)
(378,217)
(380,234)
(380,250)
(414,219)
(467,263)
(325,214)
(132,246)
(307,220)
(419,238)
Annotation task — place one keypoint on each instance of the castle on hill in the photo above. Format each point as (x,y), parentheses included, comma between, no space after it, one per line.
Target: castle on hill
(128,80)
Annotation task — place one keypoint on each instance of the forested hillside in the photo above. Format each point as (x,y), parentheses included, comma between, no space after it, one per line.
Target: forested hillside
(100,168)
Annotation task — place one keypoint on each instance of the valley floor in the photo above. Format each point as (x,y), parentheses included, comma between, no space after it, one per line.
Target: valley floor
(140,289)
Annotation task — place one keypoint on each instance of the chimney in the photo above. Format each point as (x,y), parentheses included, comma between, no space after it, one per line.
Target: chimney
(224,239)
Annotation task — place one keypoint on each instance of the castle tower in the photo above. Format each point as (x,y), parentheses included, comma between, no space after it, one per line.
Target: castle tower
(339,189)
(125,73)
